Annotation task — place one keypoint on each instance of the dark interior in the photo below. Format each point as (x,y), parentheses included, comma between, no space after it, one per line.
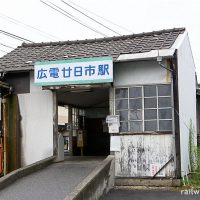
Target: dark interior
(97,139)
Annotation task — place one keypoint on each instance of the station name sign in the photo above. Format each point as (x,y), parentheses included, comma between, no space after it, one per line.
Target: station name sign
(78,71)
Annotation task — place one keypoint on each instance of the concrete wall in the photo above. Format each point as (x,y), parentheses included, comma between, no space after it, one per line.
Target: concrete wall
(96,184)
(36,109)
(187,99)
(140,72)
(143,155)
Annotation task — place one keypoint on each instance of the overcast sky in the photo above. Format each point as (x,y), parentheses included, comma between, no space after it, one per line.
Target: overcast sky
(135,15)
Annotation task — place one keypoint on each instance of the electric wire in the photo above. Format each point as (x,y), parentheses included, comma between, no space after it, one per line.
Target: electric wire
(90,17)
(91,28)
(3,51)
(109,21)
(161,65)
(63,12)
(17,22)
(181,118)
(6,45)
(15,36)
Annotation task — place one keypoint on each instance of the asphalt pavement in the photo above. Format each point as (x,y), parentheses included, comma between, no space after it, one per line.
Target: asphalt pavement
(53,182)
(132,194)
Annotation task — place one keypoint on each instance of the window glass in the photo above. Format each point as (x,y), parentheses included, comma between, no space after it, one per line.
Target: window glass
(164,102)
(164,90)
(149,91)
(150,125)
(165,125)
(165,113)
(121,104)
(123,115)
(123,127)
(121,93)
(135,114)
(150,103)
(135,92)
(144,108)
(150,114)
(136,126)
(135,104)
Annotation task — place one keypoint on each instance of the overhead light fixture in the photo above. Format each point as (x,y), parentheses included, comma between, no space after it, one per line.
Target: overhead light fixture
(80,89)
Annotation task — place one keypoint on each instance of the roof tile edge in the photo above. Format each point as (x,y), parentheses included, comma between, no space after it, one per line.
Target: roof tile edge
(101,39)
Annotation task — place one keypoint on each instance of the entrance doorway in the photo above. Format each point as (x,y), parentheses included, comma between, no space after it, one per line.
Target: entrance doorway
(81,121)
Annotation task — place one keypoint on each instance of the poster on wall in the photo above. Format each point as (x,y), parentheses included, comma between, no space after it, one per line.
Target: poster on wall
(154,168)
(113,123)
(78,71)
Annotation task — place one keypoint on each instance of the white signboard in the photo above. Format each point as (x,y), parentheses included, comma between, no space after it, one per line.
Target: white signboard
(112,119)
(113,128)
(79,71)
(113,123)
(115,143)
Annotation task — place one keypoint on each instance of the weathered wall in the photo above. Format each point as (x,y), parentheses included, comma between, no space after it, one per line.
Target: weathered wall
(187,99)
(36,109)
(96,184)
(140,155)
(140,72)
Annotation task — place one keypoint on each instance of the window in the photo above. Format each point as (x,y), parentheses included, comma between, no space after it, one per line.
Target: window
(144,108)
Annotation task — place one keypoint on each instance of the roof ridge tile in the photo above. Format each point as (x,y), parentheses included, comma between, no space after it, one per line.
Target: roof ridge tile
(114,38)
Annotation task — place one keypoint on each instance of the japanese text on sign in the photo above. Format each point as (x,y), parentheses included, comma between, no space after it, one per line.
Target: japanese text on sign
(93,70)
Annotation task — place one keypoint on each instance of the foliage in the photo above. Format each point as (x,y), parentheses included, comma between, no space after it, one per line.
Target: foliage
(193,150)
(194,156)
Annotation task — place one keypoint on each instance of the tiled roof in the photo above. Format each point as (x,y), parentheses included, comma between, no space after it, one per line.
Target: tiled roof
(23,57)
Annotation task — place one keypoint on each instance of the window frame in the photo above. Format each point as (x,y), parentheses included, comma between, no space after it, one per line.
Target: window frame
(158,108)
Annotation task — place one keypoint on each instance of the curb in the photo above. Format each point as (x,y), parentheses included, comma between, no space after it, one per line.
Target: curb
(24,171)
(85,189)
(147,182)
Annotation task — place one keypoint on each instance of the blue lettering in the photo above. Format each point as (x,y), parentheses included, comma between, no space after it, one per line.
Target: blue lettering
(78,71)
(41,74)
(103,69)
(66,72)
(54,72)
(90,70)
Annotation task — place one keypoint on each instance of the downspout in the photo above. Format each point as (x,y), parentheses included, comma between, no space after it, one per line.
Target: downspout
(176,116)
(172,68)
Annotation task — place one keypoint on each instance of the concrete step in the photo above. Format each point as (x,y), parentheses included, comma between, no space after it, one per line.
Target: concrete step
(147,182)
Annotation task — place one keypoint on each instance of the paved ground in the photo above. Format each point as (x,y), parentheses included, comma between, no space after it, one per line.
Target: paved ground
(52,183)
(131,194)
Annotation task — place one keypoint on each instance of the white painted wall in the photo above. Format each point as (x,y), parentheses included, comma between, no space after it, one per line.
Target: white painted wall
(187,98)
(36,109)
(140,72)
(62,115)
(139,155)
